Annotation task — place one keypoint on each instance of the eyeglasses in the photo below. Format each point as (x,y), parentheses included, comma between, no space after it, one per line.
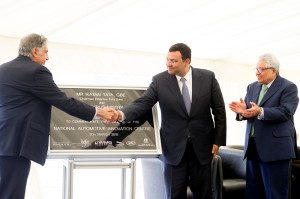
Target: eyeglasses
(260,70)
(171,61)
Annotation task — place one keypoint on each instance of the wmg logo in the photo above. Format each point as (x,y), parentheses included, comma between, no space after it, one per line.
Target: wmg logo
(102,143)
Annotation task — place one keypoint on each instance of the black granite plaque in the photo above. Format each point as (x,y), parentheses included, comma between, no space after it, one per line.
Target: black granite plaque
(73,136)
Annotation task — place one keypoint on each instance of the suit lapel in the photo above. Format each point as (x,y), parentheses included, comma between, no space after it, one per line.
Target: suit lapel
(255,93)
(198,85)
(273,89)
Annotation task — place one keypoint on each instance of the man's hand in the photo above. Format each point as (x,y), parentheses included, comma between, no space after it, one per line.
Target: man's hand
(215,150)
(253,111)
(238,107)
(108,114)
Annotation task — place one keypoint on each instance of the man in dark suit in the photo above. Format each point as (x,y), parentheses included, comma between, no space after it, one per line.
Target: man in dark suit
(190,136)
(27,91)
(269,143)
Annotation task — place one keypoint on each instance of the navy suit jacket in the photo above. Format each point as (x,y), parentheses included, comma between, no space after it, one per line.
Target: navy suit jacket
(27,91)
(206,123)
(274,135)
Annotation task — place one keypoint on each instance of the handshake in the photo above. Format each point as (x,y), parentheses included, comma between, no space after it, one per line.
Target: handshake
(109,114)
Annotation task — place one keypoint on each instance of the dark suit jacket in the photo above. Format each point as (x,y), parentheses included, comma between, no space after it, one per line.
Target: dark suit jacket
(206,122)
(27,91)
(274,135)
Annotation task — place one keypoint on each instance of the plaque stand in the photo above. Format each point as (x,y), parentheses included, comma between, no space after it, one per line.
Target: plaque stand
(71,164)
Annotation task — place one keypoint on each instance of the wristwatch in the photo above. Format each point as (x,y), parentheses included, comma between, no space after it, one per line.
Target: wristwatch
(260,111)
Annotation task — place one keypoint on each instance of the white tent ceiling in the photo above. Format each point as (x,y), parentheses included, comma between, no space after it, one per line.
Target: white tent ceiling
(230,30)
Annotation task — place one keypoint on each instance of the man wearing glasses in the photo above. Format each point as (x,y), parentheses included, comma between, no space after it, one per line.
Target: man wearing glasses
(269,107)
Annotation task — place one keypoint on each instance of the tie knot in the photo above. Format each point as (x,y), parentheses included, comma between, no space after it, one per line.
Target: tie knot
(183,80)
(264,87)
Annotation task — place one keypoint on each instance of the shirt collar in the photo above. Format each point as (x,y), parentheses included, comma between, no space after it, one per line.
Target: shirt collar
(269,84)
(188,76)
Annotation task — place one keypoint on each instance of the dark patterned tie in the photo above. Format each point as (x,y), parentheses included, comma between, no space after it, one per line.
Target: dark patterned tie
(186,95)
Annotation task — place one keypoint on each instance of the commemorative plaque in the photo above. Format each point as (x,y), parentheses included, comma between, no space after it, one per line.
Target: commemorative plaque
(70,136)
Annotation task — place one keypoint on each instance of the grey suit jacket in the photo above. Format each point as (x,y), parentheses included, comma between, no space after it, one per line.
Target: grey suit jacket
(27,92)
(206,123)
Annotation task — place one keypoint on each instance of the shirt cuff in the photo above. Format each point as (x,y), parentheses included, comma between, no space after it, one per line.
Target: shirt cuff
(123,117)
(95,116)
(240,117)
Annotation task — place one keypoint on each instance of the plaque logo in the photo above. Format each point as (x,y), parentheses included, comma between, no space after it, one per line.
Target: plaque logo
(131,143)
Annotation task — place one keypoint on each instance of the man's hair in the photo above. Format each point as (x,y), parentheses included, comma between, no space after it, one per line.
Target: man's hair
(184,50)
(31,41)
(271,61)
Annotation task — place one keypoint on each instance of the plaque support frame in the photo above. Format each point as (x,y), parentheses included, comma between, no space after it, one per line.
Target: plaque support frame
(122,156)
(71,164)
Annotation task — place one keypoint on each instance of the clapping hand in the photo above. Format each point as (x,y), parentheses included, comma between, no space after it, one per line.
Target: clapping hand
(238,107)
(252,112)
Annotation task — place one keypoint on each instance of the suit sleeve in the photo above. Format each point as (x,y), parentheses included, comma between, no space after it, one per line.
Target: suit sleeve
(287,105)
(143,104)
(45,88)
(219,112)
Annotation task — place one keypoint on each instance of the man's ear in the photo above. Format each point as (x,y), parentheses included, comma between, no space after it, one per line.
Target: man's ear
(34,52)
(188,61)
